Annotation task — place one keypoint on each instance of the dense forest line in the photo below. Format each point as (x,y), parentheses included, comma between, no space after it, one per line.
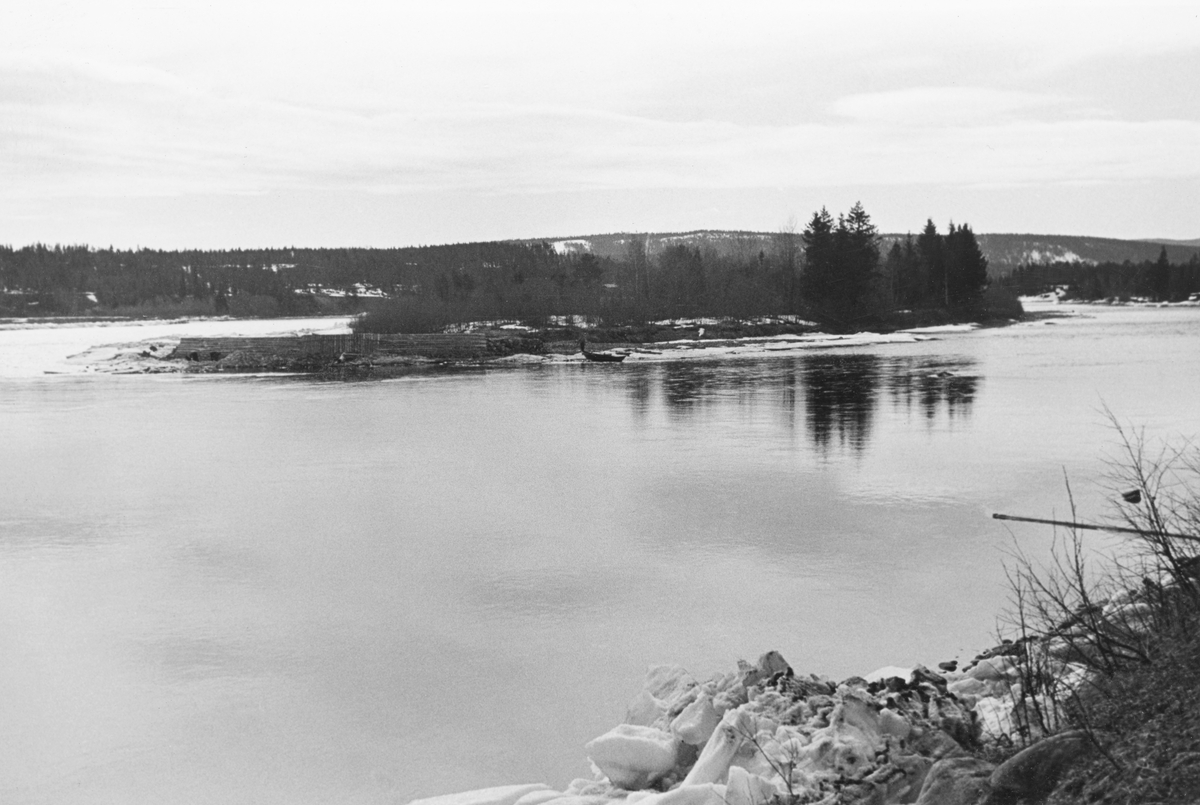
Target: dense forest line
(73,280)
(1156,281)
(833,271)
(1004,252)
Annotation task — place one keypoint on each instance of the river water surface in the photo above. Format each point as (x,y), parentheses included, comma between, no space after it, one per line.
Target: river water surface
(228,590)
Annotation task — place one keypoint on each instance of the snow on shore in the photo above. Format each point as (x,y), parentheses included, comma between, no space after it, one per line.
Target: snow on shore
(39,348)
(35,349)
(693,349)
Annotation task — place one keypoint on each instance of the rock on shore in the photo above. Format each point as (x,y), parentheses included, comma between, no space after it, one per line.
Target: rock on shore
(764,733)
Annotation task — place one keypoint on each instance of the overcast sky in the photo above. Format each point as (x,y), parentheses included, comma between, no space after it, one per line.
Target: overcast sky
(207,124)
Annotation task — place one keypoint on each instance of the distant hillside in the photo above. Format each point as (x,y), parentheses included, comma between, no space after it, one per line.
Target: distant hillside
(1004,252)
(1192,242)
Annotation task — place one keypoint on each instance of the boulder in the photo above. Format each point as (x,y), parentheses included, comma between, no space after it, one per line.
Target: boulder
(957,781)
(916,769)
(889,783)
(921,674)
(936,744)
(1033,772)
(773,663)
(632,756)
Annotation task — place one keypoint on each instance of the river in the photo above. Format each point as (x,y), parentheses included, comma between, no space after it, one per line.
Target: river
(261,590)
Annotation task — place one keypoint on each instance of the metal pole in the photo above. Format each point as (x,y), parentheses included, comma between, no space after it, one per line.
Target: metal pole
(1094,527)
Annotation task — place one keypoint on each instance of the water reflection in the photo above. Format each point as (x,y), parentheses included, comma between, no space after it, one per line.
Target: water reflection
(839,392)
(686,385)
(836,395)
(933,383)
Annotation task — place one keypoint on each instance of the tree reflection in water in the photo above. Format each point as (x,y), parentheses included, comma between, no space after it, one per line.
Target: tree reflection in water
(932,382)
(835,394)
(839,395)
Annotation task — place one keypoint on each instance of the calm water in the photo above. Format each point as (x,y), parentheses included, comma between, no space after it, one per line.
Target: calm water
(246,590)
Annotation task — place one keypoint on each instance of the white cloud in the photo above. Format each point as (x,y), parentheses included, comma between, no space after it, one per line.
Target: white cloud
(109,100)
(141,135)
(940,106)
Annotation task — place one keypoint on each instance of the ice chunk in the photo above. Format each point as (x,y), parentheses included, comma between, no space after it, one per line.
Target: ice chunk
(722,746)
(696,723)
(632,756)
(745,788)
(887,672)
(539,797)
(500,795)
(705,794)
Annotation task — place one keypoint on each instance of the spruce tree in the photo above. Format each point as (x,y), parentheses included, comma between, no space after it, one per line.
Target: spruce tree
(817,279)
(860,260)
(1160,277)
(933,265)
(966,266)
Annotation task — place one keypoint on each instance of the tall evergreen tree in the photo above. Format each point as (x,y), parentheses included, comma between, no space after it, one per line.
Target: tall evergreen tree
(905,273)
(966,267)
(1160,277)
(859,259)
(841,262)
(933,265)
(817,279)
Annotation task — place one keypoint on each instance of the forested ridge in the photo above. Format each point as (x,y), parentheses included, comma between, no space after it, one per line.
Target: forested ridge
(837,270)
(45,280)
(1156,281)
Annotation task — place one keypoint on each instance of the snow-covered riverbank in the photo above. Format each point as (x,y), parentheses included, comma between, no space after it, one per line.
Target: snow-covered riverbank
(38,348)
(35,349)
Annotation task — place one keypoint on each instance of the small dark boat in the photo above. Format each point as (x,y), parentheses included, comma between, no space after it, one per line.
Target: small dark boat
(602,357)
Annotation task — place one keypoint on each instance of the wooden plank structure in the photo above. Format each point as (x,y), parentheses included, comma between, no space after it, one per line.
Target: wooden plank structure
(320,349)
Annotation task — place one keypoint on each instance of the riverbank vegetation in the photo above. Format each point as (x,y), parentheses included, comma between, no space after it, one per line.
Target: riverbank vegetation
(1110,645)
